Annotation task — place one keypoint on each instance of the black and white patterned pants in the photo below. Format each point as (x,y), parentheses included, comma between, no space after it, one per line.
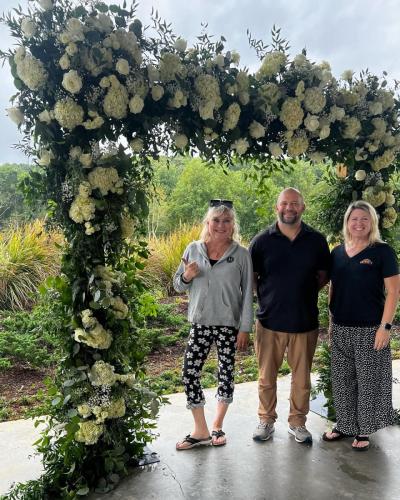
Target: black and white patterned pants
(199,344)
(361,381)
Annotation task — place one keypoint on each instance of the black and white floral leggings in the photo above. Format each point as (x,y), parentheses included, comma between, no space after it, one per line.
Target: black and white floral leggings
(199,344)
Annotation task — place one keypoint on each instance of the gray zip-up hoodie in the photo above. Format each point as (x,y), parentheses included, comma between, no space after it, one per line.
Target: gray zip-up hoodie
(222,294)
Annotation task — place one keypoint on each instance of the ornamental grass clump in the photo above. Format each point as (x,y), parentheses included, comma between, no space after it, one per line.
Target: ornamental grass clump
(28,255)
(165,255)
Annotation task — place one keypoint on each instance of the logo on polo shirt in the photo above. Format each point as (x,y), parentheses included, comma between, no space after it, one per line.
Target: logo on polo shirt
(366,261)
(230,259)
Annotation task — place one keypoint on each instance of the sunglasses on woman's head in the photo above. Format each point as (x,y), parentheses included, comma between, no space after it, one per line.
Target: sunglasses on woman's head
(219,203)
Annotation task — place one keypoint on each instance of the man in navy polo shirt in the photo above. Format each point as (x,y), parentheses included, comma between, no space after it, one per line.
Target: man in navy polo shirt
(291,264)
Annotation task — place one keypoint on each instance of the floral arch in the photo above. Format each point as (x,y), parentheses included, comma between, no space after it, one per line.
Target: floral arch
(87,75)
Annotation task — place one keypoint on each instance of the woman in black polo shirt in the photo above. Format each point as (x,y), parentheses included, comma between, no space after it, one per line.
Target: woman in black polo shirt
(365,286)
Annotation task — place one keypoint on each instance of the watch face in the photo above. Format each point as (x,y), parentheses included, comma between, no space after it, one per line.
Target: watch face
(388,326)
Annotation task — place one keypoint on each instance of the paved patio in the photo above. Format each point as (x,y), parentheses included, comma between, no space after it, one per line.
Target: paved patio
(279,469)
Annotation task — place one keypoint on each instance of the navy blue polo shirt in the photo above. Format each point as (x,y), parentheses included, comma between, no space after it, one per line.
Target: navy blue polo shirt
(287,285)
(358,287)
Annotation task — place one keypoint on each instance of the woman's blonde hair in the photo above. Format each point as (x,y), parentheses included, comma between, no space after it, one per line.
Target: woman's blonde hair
(374,235)
(212,212)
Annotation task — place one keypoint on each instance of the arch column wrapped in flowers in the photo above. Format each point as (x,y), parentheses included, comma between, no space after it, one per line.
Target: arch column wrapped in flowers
(88,75)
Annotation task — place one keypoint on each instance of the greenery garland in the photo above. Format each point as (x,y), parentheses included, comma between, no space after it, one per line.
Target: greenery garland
(98,96)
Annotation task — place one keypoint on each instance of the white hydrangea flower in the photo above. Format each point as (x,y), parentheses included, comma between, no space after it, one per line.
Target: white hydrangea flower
(89,432)
(178,100)
(256,130)
(375,108)
(102,373)
(314,100)
(136,104)
(30,70)
(86,160)
(28,27)
(291,114)
(275,149)
(122,66)
(116,101)
(180,45)
(235,57)
(181,141)
(16,115)
(360,175)
(64,62)
(45,158)
(152,73)
(311,123)
(317,156)
(71,49)
(157,92)
(347,75)
(336,113)
(300,61)
(106,180)
(46,116)
(68,113)
(240,146)
(46,4)
(231,117)
(72,82)
(352,127)
(324,132)
(137,145)
(297,145)
(272,64)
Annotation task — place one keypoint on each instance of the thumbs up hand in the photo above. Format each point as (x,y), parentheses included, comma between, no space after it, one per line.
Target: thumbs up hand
(191,269)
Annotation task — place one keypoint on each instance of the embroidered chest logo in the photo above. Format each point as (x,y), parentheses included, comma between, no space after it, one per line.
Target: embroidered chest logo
(230,259)
(366,261)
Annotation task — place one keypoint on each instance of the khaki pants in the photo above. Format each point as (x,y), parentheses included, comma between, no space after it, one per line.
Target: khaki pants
(270,347)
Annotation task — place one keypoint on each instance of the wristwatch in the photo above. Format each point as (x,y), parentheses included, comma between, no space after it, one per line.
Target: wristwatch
(386,326)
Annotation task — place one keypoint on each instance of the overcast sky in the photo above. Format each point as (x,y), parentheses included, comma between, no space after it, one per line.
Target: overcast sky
(349,34)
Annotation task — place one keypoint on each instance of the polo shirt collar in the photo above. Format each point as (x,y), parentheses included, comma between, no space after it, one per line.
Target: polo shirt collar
(274,229)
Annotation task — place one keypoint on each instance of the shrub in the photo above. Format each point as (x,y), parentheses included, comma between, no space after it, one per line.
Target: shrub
(28,255)
(31,337)
(165,256)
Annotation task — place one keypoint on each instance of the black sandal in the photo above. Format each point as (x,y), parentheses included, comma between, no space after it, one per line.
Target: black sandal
(218,434)
(340,435)
(361,439)
(193,442)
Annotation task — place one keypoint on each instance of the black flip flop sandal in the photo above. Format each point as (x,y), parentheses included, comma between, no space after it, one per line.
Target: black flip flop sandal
(218,434)
(361,439)
(193,442)
(340,435)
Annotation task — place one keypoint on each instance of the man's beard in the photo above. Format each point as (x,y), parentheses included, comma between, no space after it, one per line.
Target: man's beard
(294,220)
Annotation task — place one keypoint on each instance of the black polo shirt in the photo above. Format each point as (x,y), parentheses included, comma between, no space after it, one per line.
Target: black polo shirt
(287,286)
(358,291)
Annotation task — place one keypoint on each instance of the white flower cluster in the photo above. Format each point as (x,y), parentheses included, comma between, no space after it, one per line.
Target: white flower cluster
(231,117)
(30,70)
(68,113)
(207,92)
(83,208)
(240,146)
(72,82)
(272,64)
(106,180)
(93,333)
(89,432)
(116,100)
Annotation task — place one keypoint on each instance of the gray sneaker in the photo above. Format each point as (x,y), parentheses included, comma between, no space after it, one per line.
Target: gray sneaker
(301,434)
(263,431)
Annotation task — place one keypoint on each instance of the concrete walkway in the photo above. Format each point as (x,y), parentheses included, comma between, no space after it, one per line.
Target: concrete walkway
(279,469)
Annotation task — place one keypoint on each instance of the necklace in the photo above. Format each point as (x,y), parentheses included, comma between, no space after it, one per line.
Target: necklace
(217,252)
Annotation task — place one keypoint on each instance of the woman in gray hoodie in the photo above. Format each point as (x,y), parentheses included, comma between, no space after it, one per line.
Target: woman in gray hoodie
(217,273)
